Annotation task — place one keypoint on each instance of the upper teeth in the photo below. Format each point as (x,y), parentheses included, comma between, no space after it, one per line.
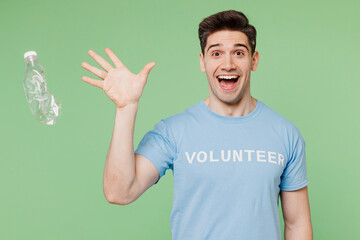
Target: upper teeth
(227,76)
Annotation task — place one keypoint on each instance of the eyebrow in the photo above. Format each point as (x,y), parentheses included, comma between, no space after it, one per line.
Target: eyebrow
(235,45)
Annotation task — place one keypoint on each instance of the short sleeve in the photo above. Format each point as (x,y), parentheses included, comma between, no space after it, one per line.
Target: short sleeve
(157,145)
(294,176)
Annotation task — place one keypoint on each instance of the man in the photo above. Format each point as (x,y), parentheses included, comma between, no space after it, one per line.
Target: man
(231,155)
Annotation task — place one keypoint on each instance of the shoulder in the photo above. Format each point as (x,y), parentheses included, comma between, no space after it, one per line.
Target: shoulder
(176,126)
(279,123)
(180,119)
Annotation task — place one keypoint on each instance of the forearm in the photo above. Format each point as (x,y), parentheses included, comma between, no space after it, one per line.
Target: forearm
(300,232)
(119,172)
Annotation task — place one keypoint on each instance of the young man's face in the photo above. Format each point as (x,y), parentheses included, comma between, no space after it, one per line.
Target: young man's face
(227,55)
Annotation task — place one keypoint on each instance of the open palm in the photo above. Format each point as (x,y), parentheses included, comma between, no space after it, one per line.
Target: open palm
(120,85)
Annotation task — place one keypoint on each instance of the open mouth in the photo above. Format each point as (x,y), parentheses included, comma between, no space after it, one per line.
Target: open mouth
(228,82)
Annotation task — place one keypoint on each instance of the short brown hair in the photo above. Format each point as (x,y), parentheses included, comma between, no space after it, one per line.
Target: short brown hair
(227,20)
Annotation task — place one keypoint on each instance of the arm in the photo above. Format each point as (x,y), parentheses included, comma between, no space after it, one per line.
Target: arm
(296,213)
(126,176)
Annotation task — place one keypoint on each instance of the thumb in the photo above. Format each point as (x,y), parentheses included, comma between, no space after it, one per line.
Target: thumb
(146,70)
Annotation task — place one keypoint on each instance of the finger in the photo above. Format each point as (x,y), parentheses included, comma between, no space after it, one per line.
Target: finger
(114,58)
(96,83)
(101,74)
(146,70)
(102,62)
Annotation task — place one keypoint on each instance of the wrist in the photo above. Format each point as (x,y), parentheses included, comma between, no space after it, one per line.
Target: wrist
(128,108)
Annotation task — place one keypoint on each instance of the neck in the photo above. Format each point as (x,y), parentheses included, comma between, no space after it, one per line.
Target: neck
(245,106)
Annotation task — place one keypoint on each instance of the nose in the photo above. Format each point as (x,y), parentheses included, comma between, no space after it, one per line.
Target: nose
(228,63)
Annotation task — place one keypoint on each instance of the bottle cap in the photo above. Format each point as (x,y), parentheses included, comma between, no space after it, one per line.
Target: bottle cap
(30,53)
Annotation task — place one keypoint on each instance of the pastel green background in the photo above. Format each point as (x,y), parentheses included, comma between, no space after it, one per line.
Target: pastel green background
(51,176)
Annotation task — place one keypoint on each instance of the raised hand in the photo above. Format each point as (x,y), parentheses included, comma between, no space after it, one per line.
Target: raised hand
(120,85)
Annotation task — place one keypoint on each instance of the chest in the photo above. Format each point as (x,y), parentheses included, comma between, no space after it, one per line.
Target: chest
(236,155)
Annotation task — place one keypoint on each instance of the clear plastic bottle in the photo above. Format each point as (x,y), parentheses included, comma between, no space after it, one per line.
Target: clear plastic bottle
(44,106)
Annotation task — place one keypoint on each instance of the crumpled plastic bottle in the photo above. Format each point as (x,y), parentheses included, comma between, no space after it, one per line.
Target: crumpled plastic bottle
(44,106)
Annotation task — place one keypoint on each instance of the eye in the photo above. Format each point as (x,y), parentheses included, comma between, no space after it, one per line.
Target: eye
(239,53)
(216,54)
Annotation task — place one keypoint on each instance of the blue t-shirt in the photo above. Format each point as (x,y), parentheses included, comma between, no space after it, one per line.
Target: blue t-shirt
(228,171)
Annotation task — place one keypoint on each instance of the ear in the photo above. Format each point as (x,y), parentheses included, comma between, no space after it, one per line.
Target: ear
(202,64)
(255,61)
